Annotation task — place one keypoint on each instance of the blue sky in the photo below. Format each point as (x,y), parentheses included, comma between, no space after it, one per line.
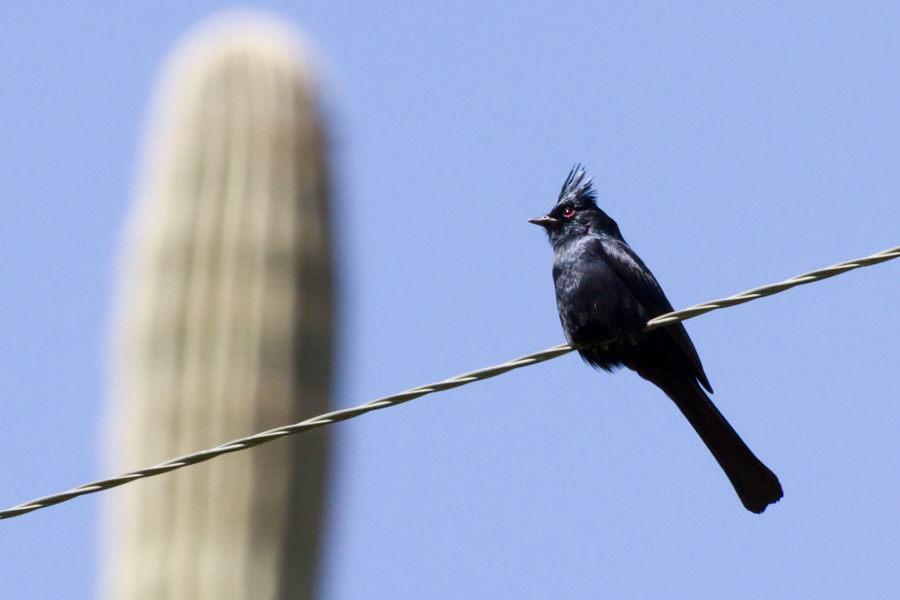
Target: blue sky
(736,144)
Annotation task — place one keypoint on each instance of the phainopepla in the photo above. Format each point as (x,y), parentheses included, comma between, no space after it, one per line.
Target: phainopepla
(604,291)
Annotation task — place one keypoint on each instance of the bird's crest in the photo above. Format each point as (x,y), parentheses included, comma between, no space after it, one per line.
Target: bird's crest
(577,187)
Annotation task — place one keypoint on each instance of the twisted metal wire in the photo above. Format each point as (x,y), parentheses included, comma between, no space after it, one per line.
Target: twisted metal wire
(769,290)
(453,382)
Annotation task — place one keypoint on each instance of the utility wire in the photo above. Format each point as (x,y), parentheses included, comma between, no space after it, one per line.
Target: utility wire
(453,382)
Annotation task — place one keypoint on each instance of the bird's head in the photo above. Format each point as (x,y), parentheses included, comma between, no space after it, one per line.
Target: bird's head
(576,212)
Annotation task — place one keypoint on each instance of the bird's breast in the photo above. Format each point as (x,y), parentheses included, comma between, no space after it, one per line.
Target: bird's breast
(594,303)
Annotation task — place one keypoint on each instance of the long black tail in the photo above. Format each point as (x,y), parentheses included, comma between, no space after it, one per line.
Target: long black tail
(756,485)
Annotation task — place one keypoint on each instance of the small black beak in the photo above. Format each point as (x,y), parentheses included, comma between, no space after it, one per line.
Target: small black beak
(545,222)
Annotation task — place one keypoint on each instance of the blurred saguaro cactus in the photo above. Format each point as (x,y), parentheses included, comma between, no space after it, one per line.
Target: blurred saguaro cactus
(224,325)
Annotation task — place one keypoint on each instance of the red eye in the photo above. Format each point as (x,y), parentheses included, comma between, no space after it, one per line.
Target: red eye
(568,212)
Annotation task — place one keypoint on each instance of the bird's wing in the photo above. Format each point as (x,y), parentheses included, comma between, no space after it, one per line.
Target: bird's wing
(643,285)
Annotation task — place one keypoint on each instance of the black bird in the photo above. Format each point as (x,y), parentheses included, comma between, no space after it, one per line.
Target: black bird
(605,291)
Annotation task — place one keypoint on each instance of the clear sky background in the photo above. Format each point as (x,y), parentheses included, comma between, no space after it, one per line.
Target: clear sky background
(736,144)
